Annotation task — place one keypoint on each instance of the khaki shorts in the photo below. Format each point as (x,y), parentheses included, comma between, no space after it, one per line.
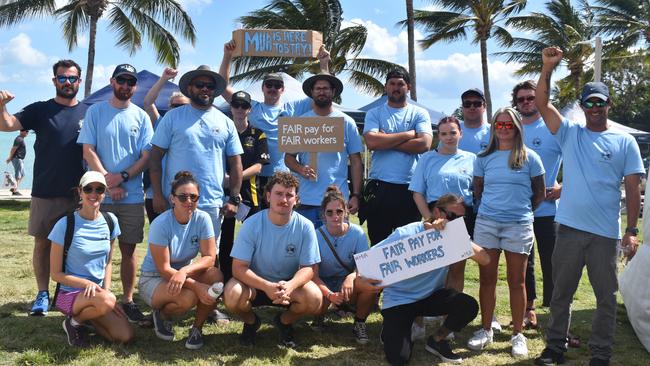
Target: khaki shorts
(45,212)
(131,221)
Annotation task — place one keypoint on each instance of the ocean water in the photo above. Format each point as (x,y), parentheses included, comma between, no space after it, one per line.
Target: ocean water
(6,142)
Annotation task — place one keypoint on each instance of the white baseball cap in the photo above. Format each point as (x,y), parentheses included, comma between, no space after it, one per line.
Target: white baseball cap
(90,177)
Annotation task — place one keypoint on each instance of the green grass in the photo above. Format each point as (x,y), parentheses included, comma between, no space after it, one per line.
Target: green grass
(41,341)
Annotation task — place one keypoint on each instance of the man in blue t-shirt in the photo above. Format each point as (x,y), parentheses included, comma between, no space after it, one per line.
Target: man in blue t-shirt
(397,132)
(476,131)
(116,139)
(58,164)
(16,156)
(596,159)
(332,167)
(274,259)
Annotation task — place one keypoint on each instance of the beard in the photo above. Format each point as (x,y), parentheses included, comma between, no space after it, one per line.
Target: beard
(203,102)
(528,114)
(67,92)
(122,94)
(397,99)
(323,103)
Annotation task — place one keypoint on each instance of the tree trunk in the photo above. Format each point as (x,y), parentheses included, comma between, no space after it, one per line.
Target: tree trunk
(411,47)
(90,65)
(486,80)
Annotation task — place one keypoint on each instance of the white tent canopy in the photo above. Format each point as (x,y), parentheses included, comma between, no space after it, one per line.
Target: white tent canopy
(573,112)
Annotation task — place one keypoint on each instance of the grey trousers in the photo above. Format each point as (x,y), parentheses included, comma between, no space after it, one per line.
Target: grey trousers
(573,250)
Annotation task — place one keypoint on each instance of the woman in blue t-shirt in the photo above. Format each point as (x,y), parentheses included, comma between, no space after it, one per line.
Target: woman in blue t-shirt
(171,281)
(509,181)
(338,242)
(85,278)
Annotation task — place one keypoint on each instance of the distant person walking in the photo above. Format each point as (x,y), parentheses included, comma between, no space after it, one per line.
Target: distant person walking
(16,157)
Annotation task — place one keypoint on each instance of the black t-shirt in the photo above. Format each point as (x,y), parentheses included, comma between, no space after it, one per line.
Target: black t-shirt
(256,150)
(19,144)
(58,160)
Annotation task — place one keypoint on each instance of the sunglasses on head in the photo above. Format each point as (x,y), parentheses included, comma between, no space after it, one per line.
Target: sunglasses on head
(238,105)
(529,98)
(589,104)
(98,189)
(330,213)
(128,81)
(450,216)
(184,197)
(201,85)
(504,125)
(176,105)
(273,85)
(470,104)
(61,79)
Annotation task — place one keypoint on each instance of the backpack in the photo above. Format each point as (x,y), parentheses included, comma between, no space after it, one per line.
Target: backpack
(69,233)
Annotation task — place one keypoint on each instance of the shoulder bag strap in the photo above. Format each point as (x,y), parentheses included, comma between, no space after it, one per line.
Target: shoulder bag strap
(336,255)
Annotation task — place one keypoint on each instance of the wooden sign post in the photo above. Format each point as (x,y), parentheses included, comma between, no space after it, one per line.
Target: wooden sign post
(277,43)
(312,135)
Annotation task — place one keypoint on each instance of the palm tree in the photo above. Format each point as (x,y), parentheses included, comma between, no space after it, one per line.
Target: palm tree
(628,20)
(129,19)
(410,31)
(344,44)
(478,19)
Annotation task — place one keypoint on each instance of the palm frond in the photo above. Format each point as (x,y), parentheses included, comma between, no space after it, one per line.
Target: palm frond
(75,21)
(14,12)
(128,35)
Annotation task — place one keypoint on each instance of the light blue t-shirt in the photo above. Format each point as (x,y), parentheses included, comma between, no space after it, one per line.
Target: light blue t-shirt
(437,174)
(415,288)
(88,254)
(346,246)
(507,192)
(538,138)
(182,240)
(199,141)
(332,166)
(274,252)
(119,137)
(265,117)
(594,165)
(394,166)
(476,139)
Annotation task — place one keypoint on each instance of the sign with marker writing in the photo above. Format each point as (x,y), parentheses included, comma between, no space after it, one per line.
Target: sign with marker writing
(417,254)
(310,134)
(277,43)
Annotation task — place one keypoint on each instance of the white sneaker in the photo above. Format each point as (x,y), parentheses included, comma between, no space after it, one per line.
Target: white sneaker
(519,348)
(418,332)
(496,327)
(480,339)
(450,336)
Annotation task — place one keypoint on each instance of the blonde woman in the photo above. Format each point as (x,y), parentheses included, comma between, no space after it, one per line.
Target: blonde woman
(509,181)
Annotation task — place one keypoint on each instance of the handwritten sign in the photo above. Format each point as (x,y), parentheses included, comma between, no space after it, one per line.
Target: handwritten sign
(277,42)
(417,254)
(310,134)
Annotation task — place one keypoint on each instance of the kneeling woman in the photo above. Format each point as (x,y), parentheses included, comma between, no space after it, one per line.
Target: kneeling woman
(170,282)
(338,242)
(85,277)
(426,294)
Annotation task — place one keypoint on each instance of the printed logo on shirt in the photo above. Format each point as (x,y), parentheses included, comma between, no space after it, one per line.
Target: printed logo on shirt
(249,141)
(81,124)
(606,155)
(265,156)
(484,145)
(134,130)
(290,250)
(215,130)
(195,240)
(537,142)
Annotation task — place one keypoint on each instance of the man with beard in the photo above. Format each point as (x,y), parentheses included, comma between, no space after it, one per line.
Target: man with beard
(596,159)
(116,139)
(58,164)
(476,132)
(398,133)
(332,166)
(538,138)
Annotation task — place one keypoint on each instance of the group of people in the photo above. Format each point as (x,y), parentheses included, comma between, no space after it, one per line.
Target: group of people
(295,249)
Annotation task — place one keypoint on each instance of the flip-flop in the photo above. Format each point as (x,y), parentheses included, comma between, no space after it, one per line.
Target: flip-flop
(530,320)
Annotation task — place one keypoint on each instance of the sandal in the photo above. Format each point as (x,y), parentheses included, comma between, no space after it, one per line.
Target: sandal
(530,320)
(573,340)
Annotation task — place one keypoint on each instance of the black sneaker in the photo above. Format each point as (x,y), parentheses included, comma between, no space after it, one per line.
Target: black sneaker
(132,312)
(442,350)
(318,324)
(195,339)
(247,337)
(360,332)
(76,335)
(598,362)
(549,358)
(162,327)
(286,332)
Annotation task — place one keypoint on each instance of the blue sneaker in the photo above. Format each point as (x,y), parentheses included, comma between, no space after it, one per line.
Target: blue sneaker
(41,304)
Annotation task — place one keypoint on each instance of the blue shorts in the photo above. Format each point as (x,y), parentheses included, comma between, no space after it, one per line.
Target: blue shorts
(514,237)
(148,284)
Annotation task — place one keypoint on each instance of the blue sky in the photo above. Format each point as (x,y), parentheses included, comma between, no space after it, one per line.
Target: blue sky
(28,50)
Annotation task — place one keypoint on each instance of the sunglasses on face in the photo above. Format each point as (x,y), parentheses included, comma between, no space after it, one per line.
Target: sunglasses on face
(98,189)
(529,98)
(470,104)
(589,104)
(272,85)
(201,85)
(184,197)
(330,213)
(128,81)
(176,106)
(61,79)
(237,105)
(450,216)
(504,125)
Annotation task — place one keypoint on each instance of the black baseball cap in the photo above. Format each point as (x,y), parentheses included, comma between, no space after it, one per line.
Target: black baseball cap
(241,96)
(125,69)
(475,91)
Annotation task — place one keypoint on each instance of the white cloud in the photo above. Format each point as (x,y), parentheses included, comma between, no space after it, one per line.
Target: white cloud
(20,50)
(381,44)
(194,3)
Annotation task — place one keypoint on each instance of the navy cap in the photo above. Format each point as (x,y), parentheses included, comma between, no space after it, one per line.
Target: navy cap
(475,91)
(125,69)
(241,96)
(595,89)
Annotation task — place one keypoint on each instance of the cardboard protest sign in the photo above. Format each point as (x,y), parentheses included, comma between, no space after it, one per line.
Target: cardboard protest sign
(416,254)
(277,43)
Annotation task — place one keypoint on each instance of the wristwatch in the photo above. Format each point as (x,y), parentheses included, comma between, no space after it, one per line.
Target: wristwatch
(357,195)
(634,231)
(125,175)
(235,200)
